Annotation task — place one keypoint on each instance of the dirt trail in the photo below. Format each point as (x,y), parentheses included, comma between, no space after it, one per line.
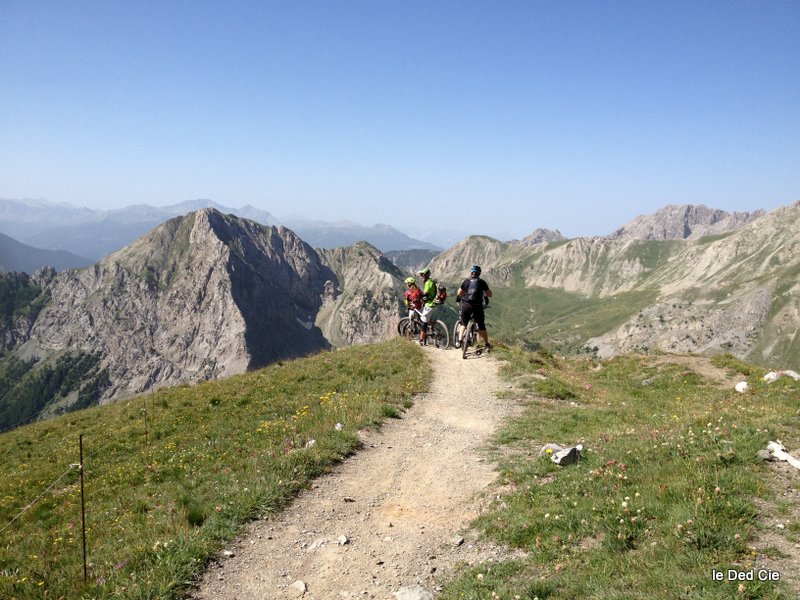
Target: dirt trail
(402,504)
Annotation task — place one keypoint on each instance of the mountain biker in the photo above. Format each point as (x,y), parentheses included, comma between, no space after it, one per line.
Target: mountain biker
(429,296)
(413,298)
(471,295)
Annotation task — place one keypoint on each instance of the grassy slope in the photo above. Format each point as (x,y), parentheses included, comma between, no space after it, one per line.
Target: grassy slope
(161,501)
(666,491)
(559,319)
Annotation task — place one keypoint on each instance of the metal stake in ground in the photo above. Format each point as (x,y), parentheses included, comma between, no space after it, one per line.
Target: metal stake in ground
(144,410)
(83,510)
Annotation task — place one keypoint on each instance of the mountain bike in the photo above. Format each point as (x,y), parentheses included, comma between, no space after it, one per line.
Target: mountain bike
(410,327)
(470,337)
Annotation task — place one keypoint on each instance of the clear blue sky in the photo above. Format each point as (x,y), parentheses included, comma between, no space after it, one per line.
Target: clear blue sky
(494,117)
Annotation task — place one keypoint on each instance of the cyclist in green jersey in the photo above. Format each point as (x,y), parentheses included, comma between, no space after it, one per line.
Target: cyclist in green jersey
(429,301)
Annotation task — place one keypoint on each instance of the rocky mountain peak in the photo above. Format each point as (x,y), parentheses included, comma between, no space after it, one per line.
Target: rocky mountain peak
(203,296)
(199,297)
(366,303)
(540,236)
(684,221)
(453,265)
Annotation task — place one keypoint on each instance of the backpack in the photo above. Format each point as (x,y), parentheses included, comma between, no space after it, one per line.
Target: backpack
(441,293)
(474,294)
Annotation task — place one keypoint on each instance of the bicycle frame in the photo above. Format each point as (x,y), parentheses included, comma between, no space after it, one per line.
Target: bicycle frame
(437,330)
(469,336)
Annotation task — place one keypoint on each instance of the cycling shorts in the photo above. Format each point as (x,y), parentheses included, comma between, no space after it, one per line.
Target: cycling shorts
(469,311)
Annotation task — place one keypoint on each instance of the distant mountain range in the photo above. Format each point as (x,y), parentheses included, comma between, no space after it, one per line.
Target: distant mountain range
(322,234)
(82,234)
(97,233)
(16,256)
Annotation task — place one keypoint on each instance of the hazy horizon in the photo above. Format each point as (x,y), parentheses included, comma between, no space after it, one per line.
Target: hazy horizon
(453,235)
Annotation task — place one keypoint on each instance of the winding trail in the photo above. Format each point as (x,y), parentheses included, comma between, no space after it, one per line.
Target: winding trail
(402,504)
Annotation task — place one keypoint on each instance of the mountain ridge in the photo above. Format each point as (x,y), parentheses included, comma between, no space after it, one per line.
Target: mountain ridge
(97,233)
(199,297)
(16,256)
(207,295)
(684,221)
(736,291)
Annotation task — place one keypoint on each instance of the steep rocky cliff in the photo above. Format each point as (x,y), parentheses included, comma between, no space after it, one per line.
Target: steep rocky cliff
(366,303)
(206,296)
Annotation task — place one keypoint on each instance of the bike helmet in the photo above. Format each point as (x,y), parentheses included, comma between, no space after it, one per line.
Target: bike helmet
(476,269)
(410,280)
(425,271)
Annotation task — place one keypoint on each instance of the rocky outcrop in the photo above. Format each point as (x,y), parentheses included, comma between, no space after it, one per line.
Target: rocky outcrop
(540,236)
(737,294)
(206,296)
(497,259)
(366,303)
(679,222)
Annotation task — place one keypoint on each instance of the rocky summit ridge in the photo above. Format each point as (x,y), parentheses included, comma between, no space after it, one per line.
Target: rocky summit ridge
(684,221)
(206,296)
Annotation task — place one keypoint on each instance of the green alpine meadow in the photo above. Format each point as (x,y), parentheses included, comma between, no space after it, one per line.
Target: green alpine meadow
(670,499)
(170,476)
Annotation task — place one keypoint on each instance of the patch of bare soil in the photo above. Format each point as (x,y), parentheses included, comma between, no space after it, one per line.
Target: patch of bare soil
(702,365)
(778,546)
(392,516)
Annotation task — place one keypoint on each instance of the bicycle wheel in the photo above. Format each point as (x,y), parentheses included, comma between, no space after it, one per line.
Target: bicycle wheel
(468,338)
(410,330)
(401,326)
(438,333)
(413,329)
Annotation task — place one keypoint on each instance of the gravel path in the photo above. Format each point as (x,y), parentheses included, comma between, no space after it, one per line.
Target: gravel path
(388,523)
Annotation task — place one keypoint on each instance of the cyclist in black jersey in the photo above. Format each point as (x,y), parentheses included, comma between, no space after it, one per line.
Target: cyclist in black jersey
(471,295)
